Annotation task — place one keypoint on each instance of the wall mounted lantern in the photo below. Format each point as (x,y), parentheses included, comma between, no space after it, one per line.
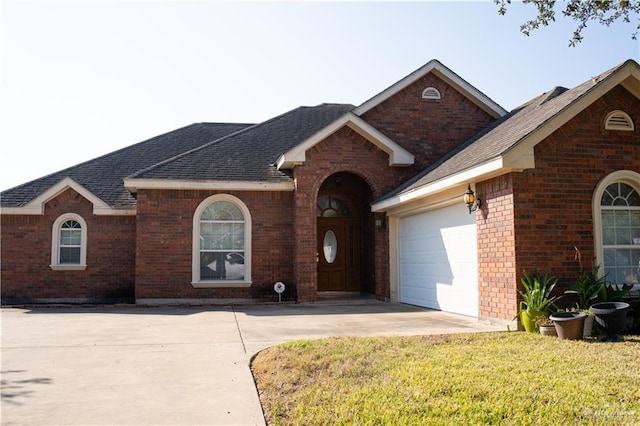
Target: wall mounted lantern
(471,201)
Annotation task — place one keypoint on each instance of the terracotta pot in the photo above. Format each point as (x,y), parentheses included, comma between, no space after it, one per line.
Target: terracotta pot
(612,317)
(569,325)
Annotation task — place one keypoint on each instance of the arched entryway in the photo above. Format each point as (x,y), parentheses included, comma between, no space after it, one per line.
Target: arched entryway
(345,247)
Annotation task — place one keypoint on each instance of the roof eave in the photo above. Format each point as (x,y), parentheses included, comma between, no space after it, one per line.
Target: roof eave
(487,170)
(133,185)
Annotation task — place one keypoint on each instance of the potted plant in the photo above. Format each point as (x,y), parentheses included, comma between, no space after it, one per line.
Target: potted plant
(587,289)
(569,324)
(546,327)
(537,301)
(612,317)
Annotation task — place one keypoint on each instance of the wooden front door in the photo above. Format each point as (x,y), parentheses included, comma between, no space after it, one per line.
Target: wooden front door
(338,246)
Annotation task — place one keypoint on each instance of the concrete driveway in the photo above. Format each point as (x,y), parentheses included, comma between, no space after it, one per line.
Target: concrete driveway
(171,366)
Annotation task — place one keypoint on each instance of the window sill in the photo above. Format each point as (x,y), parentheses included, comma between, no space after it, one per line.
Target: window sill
(68,267)
(221,284)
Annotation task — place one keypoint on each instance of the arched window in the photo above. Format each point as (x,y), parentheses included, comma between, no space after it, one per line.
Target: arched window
(618,239)
(221,243)
(69,243)
(332,206)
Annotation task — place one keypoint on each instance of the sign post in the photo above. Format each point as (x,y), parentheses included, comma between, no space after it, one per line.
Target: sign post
(279,288)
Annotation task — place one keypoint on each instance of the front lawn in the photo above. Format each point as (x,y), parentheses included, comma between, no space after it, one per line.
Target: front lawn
(494,378)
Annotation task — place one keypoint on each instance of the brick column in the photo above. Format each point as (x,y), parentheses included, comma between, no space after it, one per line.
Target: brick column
(497,275)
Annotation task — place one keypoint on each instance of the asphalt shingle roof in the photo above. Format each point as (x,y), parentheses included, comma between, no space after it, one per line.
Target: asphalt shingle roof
(103,176)
(203,151)
(249,155)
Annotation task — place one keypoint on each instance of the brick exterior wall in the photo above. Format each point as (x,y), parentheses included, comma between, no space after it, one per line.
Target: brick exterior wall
(26,256)
(535,218)
(497,271)
(344,151)
(164,244)
(428,128)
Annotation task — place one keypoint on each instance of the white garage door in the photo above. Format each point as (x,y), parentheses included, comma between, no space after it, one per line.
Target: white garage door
(438,260)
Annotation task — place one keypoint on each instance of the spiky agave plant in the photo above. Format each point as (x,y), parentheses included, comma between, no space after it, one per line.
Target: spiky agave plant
(537,292)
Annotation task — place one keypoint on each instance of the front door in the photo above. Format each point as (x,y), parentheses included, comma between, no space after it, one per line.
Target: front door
(338,245)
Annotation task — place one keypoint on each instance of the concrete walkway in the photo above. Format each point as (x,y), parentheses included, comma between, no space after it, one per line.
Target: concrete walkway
(171,366)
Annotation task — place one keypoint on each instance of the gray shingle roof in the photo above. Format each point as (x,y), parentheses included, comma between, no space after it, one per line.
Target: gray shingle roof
(203,151)
(103,175)
(249,155)
(503,135)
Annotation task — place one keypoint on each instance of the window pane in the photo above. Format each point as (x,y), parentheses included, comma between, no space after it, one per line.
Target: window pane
(609,236)
(70,255)
(608,218)
(623,236)
(222,210)
(622,218)
(607,199)
(238,236)
(323,202)
(71,224)
(222,266)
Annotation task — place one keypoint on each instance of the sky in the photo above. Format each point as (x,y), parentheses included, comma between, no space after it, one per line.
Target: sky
(80,79)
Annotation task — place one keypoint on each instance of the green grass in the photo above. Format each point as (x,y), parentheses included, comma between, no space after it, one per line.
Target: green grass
(494,378)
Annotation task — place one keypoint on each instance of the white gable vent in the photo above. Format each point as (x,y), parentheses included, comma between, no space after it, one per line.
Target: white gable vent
(430,93)
(618,120)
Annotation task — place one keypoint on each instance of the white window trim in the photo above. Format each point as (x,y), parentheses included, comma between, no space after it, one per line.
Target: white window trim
(55,244)
(196,282)
(626,176)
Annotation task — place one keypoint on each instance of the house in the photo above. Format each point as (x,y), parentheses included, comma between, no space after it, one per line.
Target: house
(338,199)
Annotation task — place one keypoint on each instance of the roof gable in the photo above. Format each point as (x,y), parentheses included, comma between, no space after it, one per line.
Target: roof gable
(398,156)
(436,67)
(36,206)
(509,144)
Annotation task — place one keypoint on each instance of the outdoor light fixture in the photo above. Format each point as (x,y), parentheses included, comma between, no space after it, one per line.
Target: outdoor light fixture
(470,200)
(380,221)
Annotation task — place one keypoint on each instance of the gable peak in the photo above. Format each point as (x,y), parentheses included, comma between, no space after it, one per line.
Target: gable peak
(448,76)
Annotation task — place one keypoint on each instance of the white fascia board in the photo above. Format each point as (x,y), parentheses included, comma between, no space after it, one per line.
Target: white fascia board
(444,73)
(483,171)
(36,206)
(134,184)
(398,156)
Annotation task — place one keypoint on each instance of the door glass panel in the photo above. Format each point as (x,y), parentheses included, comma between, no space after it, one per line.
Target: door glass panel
(330,246)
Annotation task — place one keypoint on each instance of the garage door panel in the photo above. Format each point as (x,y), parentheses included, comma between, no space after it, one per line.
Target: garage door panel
(437,265)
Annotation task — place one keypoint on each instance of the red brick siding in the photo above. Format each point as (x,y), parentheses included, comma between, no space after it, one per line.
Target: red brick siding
(428,128)
(496,249)
(26,255)
(164,243)
(554,202)
(551,206)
